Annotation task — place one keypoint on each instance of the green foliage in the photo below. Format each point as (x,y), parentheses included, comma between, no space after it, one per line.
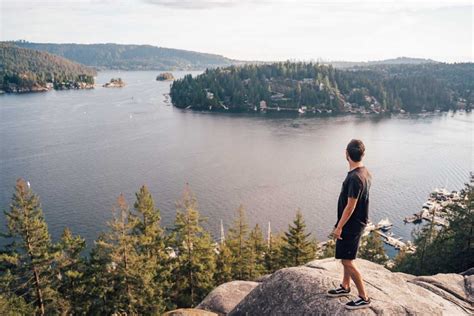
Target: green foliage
(297,248)
(13,305)
(273,259)
(289,85)
(329,249)
(155,276)
(223,272)
(70,267)
(23,70)
(256,246)
(239,247)
(122,267)
(371,248)
(135,268)
(194,265)
(448,249)
(130,57)
(30,255)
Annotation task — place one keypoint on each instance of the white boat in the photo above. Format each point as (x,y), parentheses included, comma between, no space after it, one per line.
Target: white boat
(428,205)
(384,224)
(369,228)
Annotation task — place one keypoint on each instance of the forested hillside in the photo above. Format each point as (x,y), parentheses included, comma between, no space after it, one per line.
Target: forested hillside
(130,57)
(320,87)
(139,267)
(24,70)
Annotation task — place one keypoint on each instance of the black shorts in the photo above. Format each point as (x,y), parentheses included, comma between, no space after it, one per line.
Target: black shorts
(346,248)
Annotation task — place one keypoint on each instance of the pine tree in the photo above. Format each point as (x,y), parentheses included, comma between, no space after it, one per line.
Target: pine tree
(297,248)
(329,249)
(256,246)
(237,243)
(194,267)
(31,253)
(223,272)
(70,268)
(372,249)
(155,276)
(120,266)
(273,254)
(98,276)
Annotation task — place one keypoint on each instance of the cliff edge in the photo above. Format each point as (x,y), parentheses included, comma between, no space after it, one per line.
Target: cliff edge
(302,291)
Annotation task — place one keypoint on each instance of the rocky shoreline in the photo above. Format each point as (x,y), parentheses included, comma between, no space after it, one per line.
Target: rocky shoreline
(70,85)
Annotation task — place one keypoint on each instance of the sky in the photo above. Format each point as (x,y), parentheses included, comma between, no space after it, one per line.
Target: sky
(255,29)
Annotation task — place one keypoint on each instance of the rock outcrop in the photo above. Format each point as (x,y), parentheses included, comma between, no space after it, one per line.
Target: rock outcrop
(226,296)
(189,312)
(302,291)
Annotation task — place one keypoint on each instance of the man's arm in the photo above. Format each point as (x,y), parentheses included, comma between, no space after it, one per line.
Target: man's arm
(346,214)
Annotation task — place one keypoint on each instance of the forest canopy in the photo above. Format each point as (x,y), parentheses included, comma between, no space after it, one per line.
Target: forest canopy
(24,70)
(314,86)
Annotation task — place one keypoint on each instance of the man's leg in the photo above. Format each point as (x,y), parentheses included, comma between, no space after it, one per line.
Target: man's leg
(356,277)
(346,281)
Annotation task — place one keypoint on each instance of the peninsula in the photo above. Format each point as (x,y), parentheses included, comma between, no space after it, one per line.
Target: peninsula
(27,70)
(322,88)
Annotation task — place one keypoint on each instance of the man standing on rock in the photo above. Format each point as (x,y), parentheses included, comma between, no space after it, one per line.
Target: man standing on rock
(352,217)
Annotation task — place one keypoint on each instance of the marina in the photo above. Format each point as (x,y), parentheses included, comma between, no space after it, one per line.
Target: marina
(433,209)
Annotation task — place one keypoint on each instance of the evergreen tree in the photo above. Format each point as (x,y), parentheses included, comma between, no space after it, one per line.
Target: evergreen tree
(223,272)
(70,271)
(372,249)
(273,254)
(256,246)
(31,253)
(155,276)
(120,266)
(98,276)
(329,249)
(297,248)
(238,245)
(194,264)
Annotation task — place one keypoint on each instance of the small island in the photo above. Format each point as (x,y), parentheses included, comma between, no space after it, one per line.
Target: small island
(114,83)
(165,76)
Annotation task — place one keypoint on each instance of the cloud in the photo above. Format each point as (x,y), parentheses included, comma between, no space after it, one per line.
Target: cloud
(197,4)
(389,4)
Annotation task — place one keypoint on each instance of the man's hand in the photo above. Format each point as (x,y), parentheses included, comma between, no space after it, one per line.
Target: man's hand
(337,233)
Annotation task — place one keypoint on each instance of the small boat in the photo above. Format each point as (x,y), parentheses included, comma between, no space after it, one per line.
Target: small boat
(415,218)
(384,224)
(428,205)
(369,228)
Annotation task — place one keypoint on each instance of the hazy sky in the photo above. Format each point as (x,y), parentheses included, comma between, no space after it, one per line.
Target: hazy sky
(255,29)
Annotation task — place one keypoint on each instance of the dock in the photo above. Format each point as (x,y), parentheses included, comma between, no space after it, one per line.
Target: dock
(392,241)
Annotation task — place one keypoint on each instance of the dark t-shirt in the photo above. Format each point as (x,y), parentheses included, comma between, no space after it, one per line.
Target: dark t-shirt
(356,185)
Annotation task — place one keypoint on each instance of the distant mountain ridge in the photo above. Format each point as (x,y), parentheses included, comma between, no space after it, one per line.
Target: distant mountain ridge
(392,61)
(131,57)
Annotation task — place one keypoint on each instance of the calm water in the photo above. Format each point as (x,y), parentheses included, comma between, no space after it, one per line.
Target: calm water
(81,149)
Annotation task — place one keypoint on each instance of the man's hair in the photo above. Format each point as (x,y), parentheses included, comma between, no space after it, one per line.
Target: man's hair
(355,150)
